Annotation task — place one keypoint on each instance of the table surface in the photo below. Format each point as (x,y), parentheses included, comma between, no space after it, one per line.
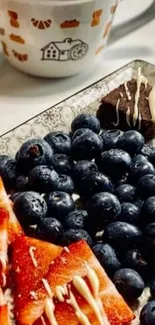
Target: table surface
(22,97)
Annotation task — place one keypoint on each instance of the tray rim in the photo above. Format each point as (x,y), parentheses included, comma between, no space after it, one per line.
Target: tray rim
(127,65)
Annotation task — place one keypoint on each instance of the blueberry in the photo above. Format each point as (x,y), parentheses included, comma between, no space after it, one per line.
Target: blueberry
(122,235)
(76,219)
(86,146)
(131,141)
(3,160)
(148,151)
(33,153)
(51,230)
(86,121)
(148,241)
(136,261)
(130,213)
(74,235)
(152,288)
(21,183)
(14,196)
(43,179)
(29,208)
(147,315)
(139,157)
(31,230)
(139,169)
(94,183)
(126,193)
(59,204)
(83,168)
(102,208)
(114,163)
(146,185)
(80,132)
(65,184)
(139,202)
(59,141)
(110,138)
(148,210)
(107,258)
(8,171)
(129,283)
(63,164)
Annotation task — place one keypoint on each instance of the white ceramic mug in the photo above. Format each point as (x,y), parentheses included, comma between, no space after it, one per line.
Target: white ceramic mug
(55,38)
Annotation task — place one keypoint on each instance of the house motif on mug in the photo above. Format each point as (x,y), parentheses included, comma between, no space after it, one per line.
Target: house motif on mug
(64,51)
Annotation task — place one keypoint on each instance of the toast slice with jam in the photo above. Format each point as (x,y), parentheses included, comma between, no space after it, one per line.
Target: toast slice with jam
(30,262)
(14,228)
(75,290)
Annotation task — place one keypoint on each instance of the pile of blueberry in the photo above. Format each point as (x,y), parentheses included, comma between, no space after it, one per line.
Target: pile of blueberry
(112,175)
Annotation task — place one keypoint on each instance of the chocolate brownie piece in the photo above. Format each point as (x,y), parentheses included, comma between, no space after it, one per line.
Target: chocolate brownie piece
(118,109)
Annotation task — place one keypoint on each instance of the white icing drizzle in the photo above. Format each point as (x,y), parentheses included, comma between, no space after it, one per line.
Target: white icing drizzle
(3,280)
(127,91)
(18,269)
(128,117)
(83,319)
(47,287)
(139,121)
(33,294)
(60,292)
(81,286)
(94,281)
(66,249)
(63,259)
(117,113)
(85,292)
(49,311)
(3,263)
(31,252)
(95,284)
(2,299)
(43,320)
(9,300)
(152,103)
(121,94)
(140,80)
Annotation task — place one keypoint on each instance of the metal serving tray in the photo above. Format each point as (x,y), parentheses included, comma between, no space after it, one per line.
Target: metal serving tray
(59,117)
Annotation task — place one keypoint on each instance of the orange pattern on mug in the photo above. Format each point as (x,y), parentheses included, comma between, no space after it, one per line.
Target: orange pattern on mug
(96,18)
(41,24)
(19,56)
(113,9)
(99,50)
(2,31)
(107,29)
(14,19)
(70,23)
(17,39)
(5,50)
